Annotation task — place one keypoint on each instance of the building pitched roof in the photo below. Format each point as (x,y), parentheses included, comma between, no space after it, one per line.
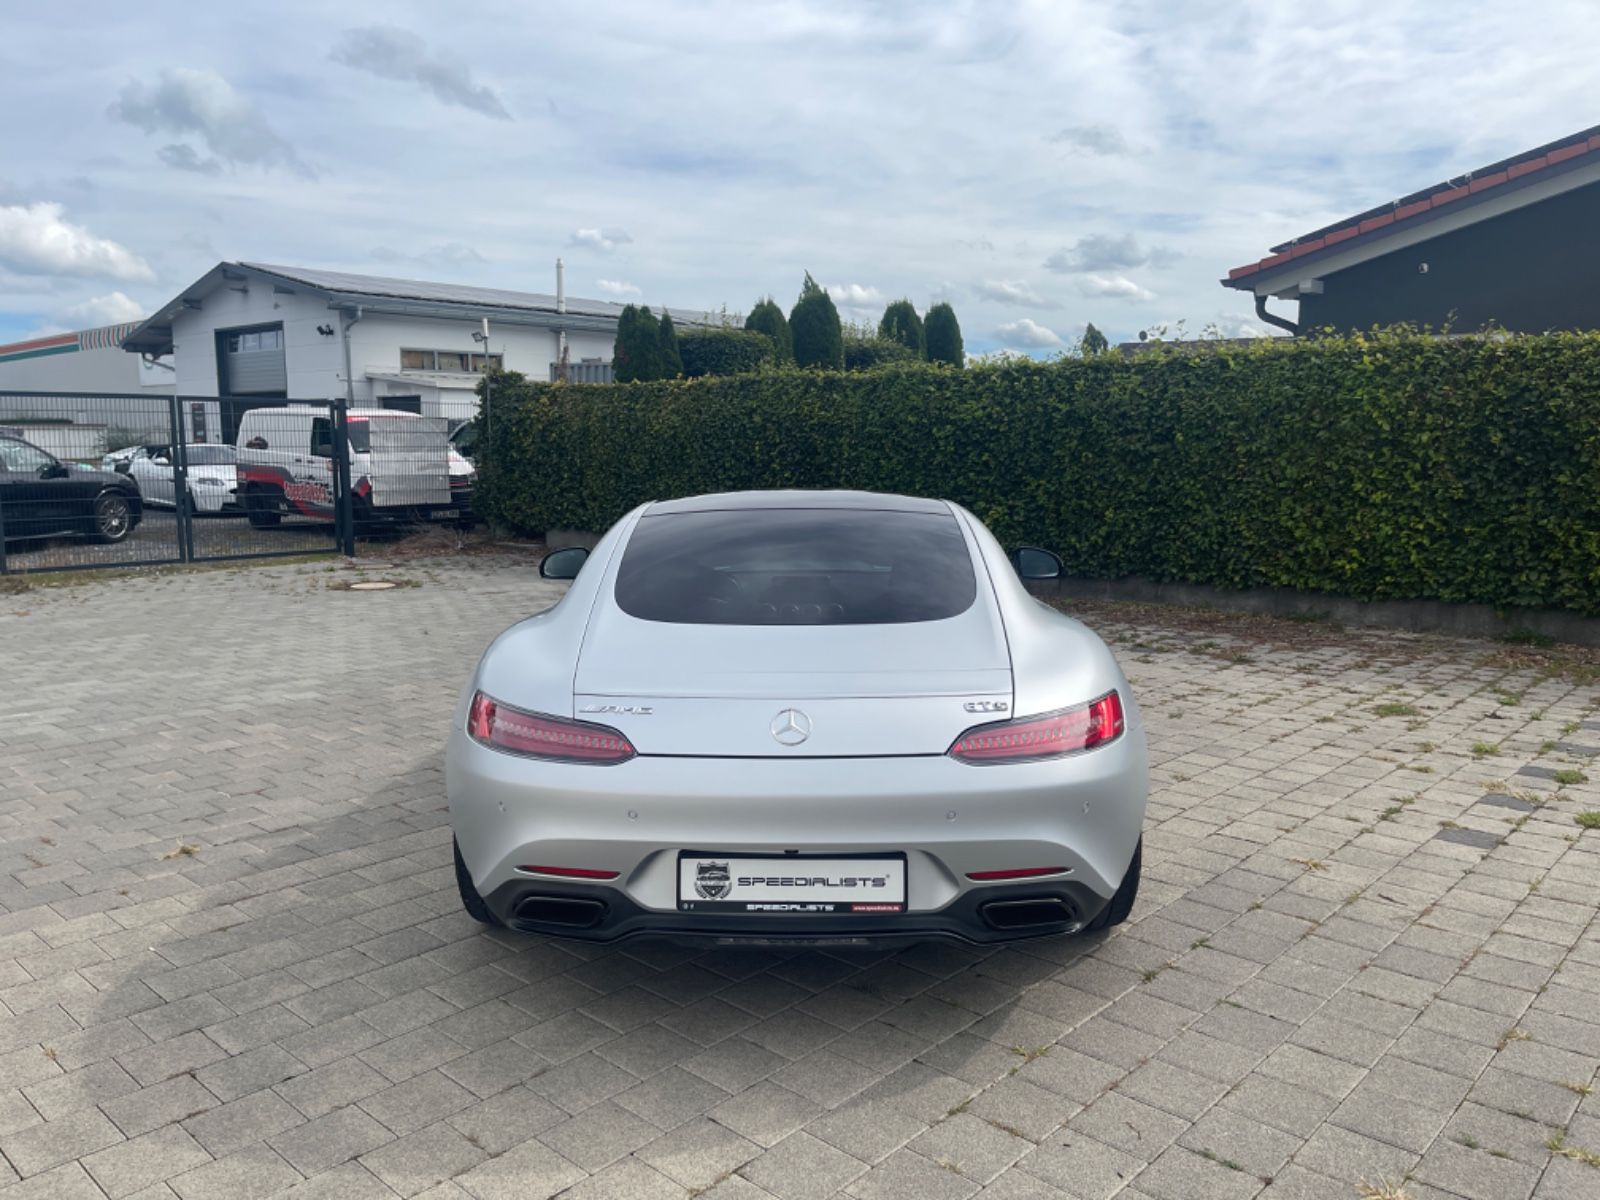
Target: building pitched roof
(1497,181)
(377,293)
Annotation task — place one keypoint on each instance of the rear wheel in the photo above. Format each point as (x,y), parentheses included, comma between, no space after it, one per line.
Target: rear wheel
(113,517)
(1121,904)
(261,508)
(470,900)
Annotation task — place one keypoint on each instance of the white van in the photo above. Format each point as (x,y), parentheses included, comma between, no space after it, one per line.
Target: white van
(402,467)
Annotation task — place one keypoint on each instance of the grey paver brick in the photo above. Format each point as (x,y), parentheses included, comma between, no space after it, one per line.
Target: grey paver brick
(906,1175)
(420,1100)
(240,1123)
(522,1173)
(40,1147)
(253,1172)
(802,1168)
(331,1139)
(333,1086)
(503,1121)
(698,1153)
(164,1103)
(144,1161)
(421,1159)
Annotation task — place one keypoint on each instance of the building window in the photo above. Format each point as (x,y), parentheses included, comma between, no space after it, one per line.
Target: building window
(454,361)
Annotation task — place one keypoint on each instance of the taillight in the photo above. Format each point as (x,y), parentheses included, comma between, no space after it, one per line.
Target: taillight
(1066,732)
(536,735)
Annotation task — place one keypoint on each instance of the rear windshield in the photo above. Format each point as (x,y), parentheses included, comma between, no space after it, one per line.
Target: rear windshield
(792,566)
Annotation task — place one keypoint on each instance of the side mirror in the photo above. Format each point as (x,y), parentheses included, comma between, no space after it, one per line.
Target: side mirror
(1034,563)
(121,468)
(54,470)
(161,460)
(563,564)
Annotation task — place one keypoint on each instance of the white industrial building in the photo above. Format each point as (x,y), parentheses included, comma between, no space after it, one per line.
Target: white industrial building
(256,332)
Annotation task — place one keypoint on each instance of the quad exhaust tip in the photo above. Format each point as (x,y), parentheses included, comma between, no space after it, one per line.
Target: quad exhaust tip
(1025,914)
(575,912)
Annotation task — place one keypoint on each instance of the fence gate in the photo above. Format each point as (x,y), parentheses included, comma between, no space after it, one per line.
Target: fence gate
(124,479)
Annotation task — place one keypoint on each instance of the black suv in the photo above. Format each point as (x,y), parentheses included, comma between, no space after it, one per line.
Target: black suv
(40,495)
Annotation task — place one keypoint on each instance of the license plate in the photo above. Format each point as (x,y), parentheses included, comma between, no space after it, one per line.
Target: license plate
(787,885)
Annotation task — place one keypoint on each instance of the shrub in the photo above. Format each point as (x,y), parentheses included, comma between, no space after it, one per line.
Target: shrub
(1378,466)
(636,355)
(901,324)
(814,325)
(724,351)
(766,317)
(862,354)
(669,364)
(942,337)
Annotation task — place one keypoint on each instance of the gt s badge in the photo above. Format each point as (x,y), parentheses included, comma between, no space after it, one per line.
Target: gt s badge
(711,880)
(635,710)
(982,706)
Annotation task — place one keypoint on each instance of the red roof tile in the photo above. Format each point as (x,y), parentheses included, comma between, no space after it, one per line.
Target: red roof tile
(1419,204)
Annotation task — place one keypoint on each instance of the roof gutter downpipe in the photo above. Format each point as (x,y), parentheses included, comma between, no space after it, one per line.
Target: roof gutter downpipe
(349,380)
(1274,318)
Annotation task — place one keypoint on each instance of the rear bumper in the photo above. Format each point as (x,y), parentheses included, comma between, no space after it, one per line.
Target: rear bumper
(981,916)
(1082,813)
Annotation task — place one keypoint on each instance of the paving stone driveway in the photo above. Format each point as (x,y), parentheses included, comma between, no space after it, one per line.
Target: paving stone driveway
(232,961)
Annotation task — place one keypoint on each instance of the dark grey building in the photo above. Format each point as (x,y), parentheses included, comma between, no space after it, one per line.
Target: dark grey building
(1514,244)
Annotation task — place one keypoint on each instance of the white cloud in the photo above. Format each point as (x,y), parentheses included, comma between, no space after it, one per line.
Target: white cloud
(603,240)
(185,100)
(1107,252)
(853,295)
(1092,139)
(1119,287)
(392,53)
(1028,334)
(37,239)
(111,309)
(616,287)
(1008,291)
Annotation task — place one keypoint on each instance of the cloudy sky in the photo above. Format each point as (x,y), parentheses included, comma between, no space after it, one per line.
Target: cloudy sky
(1038,165)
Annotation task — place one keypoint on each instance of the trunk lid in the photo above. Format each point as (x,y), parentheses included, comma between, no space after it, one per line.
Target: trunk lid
(854,690)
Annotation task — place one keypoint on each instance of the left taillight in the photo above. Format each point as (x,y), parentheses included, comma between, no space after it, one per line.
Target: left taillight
(1070,731)
(536,735)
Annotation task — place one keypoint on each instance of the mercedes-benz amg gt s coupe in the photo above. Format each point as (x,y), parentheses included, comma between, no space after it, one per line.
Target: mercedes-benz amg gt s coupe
(812,717)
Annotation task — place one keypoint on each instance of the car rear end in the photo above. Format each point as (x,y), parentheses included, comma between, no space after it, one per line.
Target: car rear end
(794,724)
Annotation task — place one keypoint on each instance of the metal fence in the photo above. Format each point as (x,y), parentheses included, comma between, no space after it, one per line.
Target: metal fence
(109,480)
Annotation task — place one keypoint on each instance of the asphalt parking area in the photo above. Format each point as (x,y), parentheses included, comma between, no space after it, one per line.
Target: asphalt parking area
(232,961)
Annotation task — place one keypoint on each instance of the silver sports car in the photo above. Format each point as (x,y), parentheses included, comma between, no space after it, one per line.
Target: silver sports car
(822,717)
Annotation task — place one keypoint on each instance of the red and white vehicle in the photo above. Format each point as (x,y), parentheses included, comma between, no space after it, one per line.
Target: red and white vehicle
(402,466)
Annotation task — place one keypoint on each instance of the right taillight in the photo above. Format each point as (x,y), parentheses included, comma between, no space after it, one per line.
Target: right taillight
(1069,731)
(536,735)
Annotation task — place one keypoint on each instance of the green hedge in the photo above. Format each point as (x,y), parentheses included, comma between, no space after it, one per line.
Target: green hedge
(866,354)
(1386,466)
(724,351)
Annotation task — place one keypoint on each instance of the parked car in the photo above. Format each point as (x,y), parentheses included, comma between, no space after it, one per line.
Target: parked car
(400,465)
(40,496)
(210,479)
(803,717)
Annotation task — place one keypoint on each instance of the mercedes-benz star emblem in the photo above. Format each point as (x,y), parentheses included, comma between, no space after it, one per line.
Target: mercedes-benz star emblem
(791,727)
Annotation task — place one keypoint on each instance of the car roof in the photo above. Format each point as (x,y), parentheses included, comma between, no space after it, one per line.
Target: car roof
(798,498)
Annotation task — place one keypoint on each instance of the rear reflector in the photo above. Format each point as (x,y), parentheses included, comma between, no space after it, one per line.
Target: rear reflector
(1066,732)
(537,735)
(1014,873)
(571,872)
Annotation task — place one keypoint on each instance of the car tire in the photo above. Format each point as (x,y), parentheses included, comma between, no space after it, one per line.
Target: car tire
(470,900)
(261,510)
(1116,912)
(113,518)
